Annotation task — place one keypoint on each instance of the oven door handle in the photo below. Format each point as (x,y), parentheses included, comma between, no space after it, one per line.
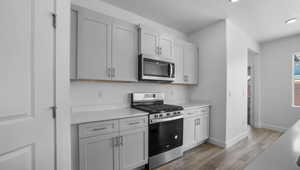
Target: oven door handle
(165,120)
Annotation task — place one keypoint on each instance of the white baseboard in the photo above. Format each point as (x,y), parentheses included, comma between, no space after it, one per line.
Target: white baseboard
(236,139)
(217,142)
(273,127)
(229,143)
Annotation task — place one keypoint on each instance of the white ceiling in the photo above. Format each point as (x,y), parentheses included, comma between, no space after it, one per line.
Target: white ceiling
(262,19)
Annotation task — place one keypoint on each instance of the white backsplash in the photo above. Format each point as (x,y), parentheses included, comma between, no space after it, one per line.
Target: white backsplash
(106,95)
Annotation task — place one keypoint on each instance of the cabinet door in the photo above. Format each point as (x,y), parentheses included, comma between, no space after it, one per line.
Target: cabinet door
(124,52)
(166,47)
(94,45)
(133,148)
(148,41)
(189,138)
(179,56)
(205,127)
(190,63)
(98,153)
(73,45)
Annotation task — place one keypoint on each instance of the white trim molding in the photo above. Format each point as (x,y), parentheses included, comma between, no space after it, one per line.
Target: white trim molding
(236,139)
(273,127)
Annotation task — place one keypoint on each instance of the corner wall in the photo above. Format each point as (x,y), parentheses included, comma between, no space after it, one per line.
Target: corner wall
(211,88)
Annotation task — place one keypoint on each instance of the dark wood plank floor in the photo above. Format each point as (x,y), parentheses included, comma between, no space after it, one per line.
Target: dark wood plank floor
(237,157)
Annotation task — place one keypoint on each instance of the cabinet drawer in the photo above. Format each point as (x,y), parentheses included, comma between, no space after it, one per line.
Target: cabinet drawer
(98,128)
(198,111)
(132,123)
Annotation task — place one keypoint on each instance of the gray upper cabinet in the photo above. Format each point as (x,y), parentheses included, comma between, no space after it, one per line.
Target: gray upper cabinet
(107,48)
(94,45)
(148,43)
(179,60)
(190,64)
(124,52)
(166,45)
(152,43)
(186,63)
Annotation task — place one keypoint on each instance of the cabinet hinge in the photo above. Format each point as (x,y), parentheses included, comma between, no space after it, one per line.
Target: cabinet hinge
(54,109)
(54,20)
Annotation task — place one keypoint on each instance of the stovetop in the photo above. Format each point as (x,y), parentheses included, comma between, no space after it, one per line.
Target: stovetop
(158,108)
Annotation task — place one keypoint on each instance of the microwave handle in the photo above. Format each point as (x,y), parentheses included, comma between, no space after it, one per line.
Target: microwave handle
(171,70)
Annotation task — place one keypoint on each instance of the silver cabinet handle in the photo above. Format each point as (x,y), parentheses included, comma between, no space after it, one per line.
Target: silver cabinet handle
(160,50)
(121,140)
(185,77)
(108,72)
(98,129)
(116,141)
(134,123)
(157,51)
(113,72)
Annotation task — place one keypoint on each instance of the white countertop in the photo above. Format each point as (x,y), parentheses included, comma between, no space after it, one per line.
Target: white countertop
(102,115)
(83,116)
(282,155)
(192,105)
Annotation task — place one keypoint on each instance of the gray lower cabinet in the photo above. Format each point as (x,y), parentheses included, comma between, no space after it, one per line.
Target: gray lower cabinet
(99,153)
(196,127)
(113,145)
(133,149)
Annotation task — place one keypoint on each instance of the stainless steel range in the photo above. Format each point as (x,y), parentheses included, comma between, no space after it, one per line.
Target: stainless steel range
(165,127)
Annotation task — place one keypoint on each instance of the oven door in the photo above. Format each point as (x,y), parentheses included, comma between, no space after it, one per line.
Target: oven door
(164,136)
(154,69)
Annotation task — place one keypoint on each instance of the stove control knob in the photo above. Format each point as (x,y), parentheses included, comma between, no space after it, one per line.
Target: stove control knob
(155,116)
(168,114)
(160,115)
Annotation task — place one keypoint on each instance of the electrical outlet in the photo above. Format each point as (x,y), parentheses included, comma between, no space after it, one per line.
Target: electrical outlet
(99,94)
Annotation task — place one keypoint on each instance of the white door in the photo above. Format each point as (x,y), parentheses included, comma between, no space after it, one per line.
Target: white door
(99,153)
(148,41)
(190,61)
(124,52)
(189,132)
(94,45)
(179,56)
(133,149)
(26,88)
(166,47)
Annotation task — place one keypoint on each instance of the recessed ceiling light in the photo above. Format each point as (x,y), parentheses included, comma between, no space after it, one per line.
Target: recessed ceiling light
(233,1)
(291,20)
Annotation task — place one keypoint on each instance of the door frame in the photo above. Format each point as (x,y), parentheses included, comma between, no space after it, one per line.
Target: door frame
(62,85)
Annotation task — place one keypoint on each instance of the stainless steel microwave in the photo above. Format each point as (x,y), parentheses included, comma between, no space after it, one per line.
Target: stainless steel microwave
(154,69)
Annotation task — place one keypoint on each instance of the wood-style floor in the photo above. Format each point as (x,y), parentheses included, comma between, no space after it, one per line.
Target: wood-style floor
(237,157)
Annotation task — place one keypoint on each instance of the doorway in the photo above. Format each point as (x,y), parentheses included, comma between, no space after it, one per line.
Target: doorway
(251,88)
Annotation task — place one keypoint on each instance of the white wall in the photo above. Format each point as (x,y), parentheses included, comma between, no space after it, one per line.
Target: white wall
(212,76)
(276,72)
(105,95)
(238,45)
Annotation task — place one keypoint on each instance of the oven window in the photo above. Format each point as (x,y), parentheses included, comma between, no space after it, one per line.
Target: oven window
(156,68)
(165,136)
